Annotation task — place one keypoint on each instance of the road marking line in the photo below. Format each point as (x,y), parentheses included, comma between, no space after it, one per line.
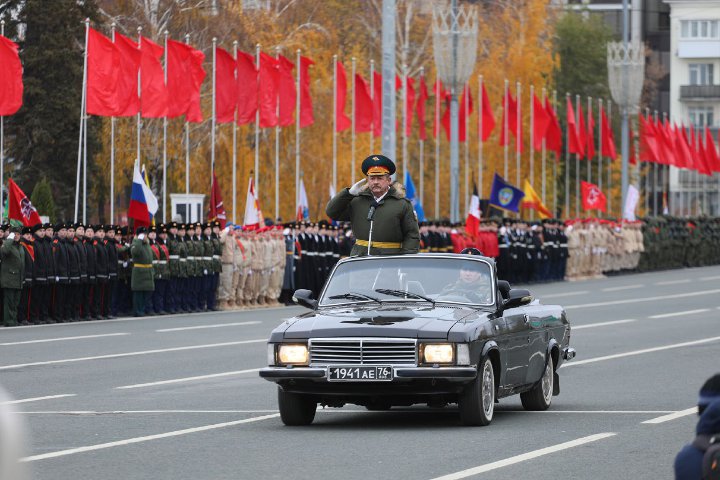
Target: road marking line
(673,282)
(60,339)
(716,277)
(643,299)
(125,412)
(131,354)
(602,324)
(640,352)
(672,416)
(199,327)
(188,379)
(568,294)
(148,438)
(37,399)
(686,312)
(525,456)
(627,287)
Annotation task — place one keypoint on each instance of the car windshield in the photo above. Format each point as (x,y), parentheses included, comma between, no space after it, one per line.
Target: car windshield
(411,279)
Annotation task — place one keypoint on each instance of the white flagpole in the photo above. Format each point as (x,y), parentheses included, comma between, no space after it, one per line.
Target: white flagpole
(82,125)
(610,160)
(112,153)
(214,110)
(2,133)
(334,132)
(404,122)
(277,146)
(257,127)
(544,154)
(518,137)
(234,144)
(466,92)
(567,160)
(600,145)
(577,159)
(352,140)
(298,66)
(372,97)
(139,117)
(589,159)
(87,29)
(532,143)
(507,134)
(164,188)
(422,149)
(187,157)
(436,132)
(480,135)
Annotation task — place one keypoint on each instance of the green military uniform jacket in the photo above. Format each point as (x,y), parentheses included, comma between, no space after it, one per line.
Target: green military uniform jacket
(13,265)
(216,254)
(174,259)
(182,252)
(142,272)
(395,228)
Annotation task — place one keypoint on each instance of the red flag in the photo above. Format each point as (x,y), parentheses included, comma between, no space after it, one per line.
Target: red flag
(420,108)
(684,150)
(608,140)
(553,135)
(678,149)
(127,86)
(711,152)
(217,209)
(197,73)
(512,122)
(153,93)
(701,163)
(103,66)
(184,78)
(377,104)
(268,91)
(11,84)
(590,148)
(574,143)
(410,105)
(343,121)
(19,206)
(247,88)
(488,117)
(462,114)
(226,94)
(306,106)
(665,144)
(648,141)
(541,121)
(287,92)
(592,197)
(633,158)
(581,131)
(363,105)
(441,96)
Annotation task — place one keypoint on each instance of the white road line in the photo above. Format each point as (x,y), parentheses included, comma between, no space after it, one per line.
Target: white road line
(200,327)
(673,282)
(333,410)
(61,339)
(125,412)
(716,277)
(674,314)
(188,379)
(37,399)
(602,324)
(626,287)
(672,416)
(643,299)
(131,354)
(148,438)
(525,456)
(568,294)
(640,352)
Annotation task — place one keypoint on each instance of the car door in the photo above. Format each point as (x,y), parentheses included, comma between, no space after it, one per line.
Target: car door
(537,341)
(516,324)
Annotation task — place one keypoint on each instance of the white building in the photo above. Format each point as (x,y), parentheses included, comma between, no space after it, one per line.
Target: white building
(695,95)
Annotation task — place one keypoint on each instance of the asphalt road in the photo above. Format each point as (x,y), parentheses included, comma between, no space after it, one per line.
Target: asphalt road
(179,397)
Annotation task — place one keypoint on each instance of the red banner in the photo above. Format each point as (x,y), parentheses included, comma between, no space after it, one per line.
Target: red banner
(11,84)
(592,197)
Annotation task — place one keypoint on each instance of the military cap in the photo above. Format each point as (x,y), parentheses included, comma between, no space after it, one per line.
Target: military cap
(377,165)
(59,226)
(4,227)
(173,225)
(216,223)
(140,230)
(26,230)
(78,225)
(153,228)
(36,227)
(182,226)
(99,228)
(163,229)
(47,225)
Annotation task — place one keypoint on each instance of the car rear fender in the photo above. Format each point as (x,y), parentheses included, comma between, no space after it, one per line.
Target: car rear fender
(553,352)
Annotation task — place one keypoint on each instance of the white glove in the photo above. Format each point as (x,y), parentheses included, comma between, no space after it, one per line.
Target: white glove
(57,279)
(355,189)
(141,236)
(11,236)
(205,272)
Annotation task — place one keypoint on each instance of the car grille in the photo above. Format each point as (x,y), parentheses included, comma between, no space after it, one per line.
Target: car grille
(363,351)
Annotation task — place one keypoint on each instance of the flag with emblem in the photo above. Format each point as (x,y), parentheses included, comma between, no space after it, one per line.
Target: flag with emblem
(303,207)
(504,195)
(533,201)
(411,195)
(253,214)
(592,197)
(19,206)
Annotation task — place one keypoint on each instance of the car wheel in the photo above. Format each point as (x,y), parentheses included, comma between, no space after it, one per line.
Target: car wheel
(477,401)
(295,408)
(540,397)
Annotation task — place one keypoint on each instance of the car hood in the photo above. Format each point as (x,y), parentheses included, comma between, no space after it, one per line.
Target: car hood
(383,321)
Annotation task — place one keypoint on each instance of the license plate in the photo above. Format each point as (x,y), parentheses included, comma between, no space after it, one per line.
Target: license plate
(360,374)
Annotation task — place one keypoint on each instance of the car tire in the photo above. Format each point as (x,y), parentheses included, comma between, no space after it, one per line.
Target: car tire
(477,401)
(296,409)
(540,397)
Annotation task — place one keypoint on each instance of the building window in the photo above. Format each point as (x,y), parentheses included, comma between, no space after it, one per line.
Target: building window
(701,74)
(699,29)
(701,116)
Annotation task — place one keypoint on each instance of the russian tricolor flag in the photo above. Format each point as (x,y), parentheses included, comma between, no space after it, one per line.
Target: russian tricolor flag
(143,203)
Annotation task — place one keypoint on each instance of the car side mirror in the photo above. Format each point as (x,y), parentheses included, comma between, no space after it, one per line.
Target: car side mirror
(517,297)
(304,297)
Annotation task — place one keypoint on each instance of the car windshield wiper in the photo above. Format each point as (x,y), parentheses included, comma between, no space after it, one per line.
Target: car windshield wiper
(355,296)
(403,293)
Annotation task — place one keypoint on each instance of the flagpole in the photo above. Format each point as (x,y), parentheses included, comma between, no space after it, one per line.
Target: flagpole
(421,144)
(164,189)
(466,102)
(112,151)
(518,137)
(234,145)
(87,30)
(334,132)
(372,98)
(544,153)
(600,145)
(297,129)
(532,143)
(352,139)
(404,121)
(555,163)
(277,146)
(187,158)
(82,125)
(589,119)
(480,135)
(655,174)
(577,160)
(214,109)
(2,140)
(567,161)
(436,131)
(139,119)
(610,160)
(506,141)
(257,127)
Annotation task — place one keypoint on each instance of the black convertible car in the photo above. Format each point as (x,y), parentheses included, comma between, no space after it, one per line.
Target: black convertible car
(425,328)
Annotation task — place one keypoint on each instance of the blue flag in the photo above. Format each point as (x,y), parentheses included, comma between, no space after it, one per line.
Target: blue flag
(504,195)
(410,195)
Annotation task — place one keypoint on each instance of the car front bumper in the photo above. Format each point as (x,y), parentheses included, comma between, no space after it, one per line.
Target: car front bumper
(400,374)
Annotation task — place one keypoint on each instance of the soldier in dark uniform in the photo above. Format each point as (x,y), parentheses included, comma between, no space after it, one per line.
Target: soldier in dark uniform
(207,249)
(142,282)
(59,292)
(563,251)
(12,276)
(183,304)
(173,289)
(42,268)
(160,269)
(102,273)
(111,249)
(123,293)
(26,295)
(87,300)
(216,265)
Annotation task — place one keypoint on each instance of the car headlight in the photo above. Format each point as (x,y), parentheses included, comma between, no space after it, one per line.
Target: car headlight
(438,353)
(293,354)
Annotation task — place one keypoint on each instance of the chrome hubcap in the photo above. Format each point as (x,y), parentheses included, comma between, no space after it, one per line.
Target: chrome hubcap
(488,390)
(547,382)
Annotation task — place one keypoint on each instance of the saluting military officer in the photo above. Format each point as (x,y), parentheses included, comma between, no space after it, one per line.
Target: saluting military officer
(12,274)
(142,282)
(383,220)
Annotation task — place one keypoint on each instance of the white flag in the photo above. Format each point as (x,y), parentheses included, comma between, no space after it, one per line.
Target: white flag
(253,214)
(302,212)
(631,201)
